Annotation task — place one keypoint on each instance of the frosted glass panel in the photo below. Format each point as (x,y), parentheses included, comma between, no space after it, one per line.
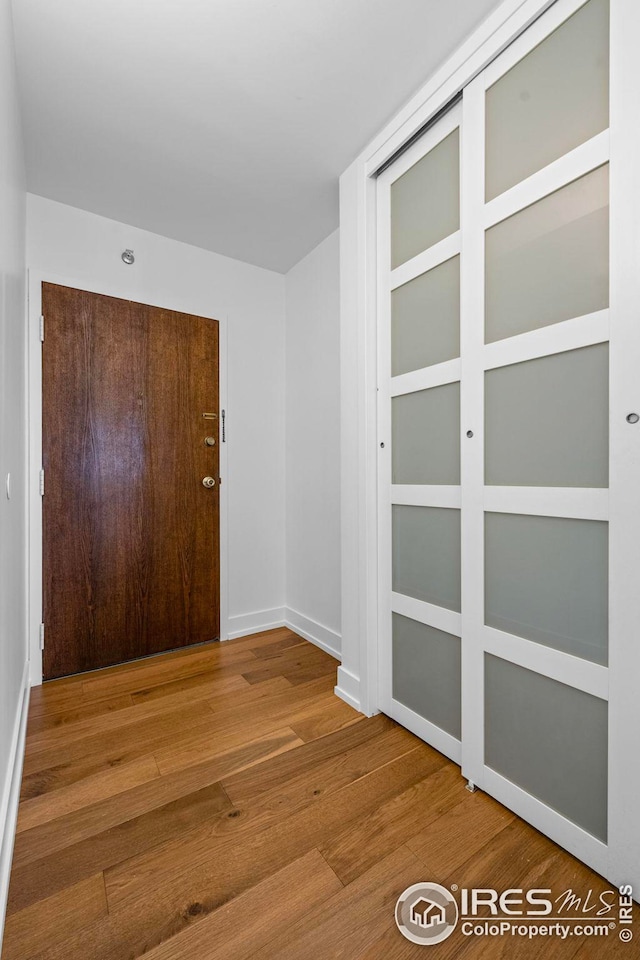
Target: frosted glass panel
(546,579)
(553,100)
(549,739)
(426,554)
(426,436)
(547,421)
(425,201)
(426,672)
(425,319)
(550,261)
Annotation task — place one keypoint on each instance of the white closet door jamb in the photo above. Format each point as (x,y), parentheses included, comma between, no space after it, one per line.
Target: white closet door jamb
(624,508)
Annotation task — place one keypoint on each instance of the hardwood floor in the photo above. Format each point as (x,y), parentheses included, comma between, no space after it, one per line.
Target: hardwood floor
(220,803)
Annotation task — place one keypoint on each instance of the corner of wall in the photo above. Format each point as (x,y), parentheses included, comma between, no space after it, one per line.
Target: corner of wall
(323,637)
(312,447)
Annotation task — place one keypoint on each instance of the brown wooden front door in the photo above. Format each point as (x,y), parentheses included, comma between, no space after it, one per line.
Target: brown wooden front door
(131,535)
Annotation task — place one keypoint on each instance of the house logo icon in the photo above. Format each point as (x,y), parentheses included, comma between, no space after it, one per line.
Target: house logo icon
(426,913)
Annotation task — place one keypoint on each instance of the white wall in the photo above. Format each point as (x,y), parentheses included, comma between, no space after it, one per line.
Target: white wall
(84,249)
(312,346)
(13,647)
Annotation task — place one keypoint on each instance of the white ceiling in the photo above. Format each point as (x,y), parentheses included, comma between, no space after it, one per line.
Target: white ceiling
(222,123)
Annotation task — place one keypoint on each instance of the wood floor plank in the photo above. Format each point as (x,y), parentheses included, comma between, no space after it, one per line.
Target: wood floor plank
(254,641)
(48,838)
(166,728)
(240,928)
(326,719)
(516,855)
(50,699)
(448,841)
(159,671)
(357,849)
(55,719)
(219,701)
(86,792)
(251,783)
(69,690)
(133,739)
(227,859)
(352,918)
(172,902)
(199,686)
(298,664)
(32,930)
(310,786)
(230,728)
(135,713)
(58,870)
(306,672)
(270,650)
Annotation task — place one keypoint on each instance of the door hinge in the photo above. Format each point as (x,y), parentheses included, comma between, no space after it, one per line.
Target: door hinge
(42,636)
(41,483)
(41,328)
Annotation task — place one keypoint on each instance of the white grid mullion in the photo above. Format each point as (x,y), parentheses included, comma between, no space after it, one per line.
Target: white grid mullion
(423,262)
(573,671)
(426,495)
(429,613)
(580,161)
(435,376)
(576,503)
(556,338)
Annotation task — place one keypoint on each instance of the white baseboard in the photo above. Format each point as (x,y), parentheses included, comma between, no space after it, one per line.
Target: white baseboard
(11,794)
(315,632)
(348,688)
(248,623)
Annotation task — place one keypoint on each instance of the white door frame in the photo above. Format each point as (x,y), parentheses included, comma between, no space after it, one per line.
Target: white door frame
(358,677)
(34,420)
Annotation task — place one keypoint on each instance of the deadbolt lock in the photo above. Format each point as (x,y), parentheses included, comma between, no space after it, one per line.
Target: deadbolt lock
(208,482)
(210,441)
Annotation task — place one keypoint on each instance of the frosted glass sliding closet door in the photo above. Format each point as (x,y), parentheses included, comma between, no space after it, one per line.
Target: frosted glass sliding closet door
(496,359)
(419,414)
